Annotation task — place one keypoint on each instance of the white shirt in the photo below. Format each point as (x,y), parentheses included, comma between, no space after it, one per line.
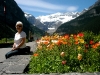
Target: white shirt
(18,37)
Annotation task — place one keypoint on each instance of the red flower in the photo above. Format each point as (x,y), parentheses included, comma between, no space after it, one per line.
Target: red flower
(91,42)
(86,46)
(80,34)
(64,62)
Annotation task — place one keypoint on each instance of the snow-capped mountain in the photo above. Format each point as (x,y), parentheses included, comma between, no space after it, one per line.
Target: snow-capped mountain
(30,18)
(35,22)
(63,17)
(53,21)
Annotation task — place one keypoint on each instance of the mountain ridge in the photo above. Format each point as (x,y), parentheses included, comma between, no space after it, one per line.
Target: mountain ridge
(88,21)
(34,21)
(53,21)
(63,17)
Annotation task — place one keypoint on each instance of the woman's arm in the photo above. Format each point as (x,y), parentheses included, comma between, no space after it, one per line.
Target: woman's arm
(14,45)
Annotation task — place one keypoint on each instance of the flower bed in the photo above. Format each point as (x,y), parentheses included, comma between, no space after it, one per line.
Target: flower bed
(69,53)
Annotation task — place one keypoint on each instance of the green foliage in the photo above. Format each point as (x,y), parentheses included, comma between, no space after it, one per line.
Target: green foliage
(82,56)
(9,40)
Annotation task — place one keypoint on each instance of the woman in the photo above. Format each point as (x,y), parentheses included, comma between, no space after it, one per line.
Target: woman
(19,41)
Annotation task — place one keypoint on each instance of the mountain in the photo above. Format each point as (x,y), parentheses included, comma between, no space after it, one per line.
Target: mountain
(56,19)
(8,19)
(88,21)
(35,22)
(63,17)
(50,23)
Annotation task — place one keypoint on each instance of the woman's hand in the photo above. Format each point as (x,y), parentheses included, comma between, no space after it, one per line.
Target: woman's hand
(14,48)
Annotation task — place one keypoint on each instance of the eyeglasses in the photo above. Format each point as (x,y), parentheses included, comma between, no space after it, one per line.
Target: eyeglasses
(18,26)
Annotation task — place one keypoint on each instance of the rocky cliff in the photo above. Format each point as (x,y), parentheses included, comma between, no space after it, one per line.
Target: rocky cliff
(35,22)
(12,14)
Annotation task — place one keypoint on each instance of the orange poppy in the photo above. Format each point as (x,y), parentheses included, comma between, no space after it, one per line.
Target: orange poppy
(59,42)
(97,44)
(66,36)
(35,54)
(76,39)
(46,42)
(94,46)
(49,47)
(64,42)
(76,42)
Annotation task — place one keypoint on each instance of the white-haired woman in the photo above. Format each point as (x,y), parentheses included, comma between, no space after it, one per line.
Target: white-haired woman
(19,41)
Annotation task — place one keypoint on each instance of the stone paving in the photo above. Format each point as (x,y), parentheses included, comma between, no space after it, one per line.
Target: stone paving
(59,74)
(3,51)
(16,65)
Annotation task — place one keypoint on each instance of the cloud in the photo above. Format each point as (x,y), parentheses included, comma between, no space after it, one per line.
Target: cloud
(42,6)
(37,10)
(72,8)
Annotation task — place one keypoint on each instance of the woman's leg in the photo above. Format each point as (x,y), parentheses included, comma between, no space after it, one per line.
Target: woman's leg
(20,51)
(11,53)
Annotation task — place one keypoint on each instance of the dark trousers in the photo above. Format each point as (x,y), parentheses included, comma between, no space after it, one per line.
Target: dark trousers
(14,52)
(19,51)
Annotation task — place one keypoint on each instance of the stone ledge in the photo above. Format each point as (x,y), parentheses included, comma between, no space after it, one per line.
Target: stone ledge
(14,65)
(2,66)
(3,45)
(95,73)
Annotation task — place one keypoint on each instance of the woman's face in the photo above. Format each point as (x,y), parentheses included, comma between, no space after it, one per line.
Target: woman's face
(19,27)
